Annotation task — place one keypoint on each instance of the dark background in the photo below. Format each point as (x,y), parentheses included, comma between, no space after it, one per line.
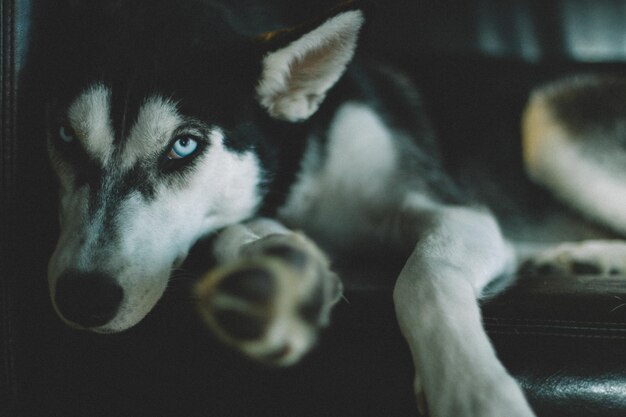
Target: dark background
(475,62)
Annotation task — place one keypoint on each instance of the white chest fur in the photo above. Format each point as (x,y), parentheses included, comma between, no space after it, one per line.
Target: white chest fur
(343,189)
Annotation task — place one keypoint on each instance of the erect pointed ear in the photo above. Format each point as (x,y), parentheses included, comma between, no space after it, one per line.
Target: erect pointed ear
(303,63)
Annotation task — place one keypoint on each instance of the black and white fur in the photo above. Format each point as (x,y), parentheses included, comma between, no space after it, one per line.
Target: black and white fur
(287,139)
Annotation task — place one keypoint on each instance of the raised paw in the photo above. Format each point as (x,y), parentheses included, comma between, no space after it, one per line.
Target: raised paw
(593,257)
(271,303)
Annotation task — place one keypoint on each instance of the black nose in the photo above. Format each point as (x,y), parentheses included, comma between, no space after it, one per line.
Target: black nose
(88,299)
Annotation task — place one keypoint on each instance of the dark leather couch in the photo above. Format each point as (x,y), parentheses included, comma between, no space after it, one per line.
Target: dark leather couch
(564,338)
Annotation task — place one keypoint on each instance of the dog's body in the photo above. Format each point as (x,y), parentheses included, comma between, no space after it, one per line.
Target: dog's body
(197,129)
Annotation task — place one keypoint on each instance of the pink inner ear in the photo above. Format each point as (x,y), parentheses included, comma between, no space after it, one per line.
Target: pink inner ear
(295,78)
(315,64)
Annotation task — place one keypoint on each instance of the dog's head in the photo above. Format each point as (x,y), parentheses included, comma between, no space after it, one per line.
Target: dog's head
(161,139)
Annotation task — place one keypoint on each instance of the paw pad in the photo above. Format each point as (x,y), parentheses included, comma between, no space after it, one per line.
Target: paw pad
(293,256)
(254,285)
(272,303)
(240,325)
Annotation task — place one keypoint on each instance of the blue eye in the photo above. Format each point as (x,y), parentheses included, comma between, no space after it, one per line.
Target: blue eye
(183,147)
(66,134)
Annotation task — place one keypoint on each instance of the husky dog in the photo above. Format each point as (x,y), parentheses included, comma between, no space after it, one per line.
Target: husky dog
(172,122)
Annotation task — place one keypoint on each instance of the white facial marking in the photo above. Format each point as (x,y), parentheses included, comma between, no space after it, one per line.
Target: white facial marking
(139,248)
(229,181)
(156,121)
(89,116)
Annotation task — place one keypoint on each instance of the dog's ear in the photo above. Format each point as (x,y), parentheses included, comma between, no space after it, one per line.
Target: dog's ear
(301,64)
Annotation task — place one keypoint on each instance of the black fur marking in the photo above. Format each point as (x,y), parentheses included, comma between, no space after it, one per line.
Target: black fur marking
(282,162)
(107,199)
(591,104)
(240,325)
(125,105)
(87,170)
(138,179)
(393,96)
(255,285)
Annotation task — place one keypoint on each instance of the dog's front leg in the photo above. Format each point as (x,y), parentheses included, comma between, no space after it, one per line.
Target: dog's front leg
(459,250)
(271,293)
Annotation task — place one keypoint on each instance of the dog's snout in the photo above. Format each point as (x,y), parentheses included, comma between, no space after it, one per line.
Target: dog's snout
(88,299)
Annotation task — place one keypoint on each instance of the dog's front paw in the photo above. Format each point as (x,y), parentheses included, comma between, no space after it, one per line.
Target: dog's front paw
(593,257)
(272,303)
